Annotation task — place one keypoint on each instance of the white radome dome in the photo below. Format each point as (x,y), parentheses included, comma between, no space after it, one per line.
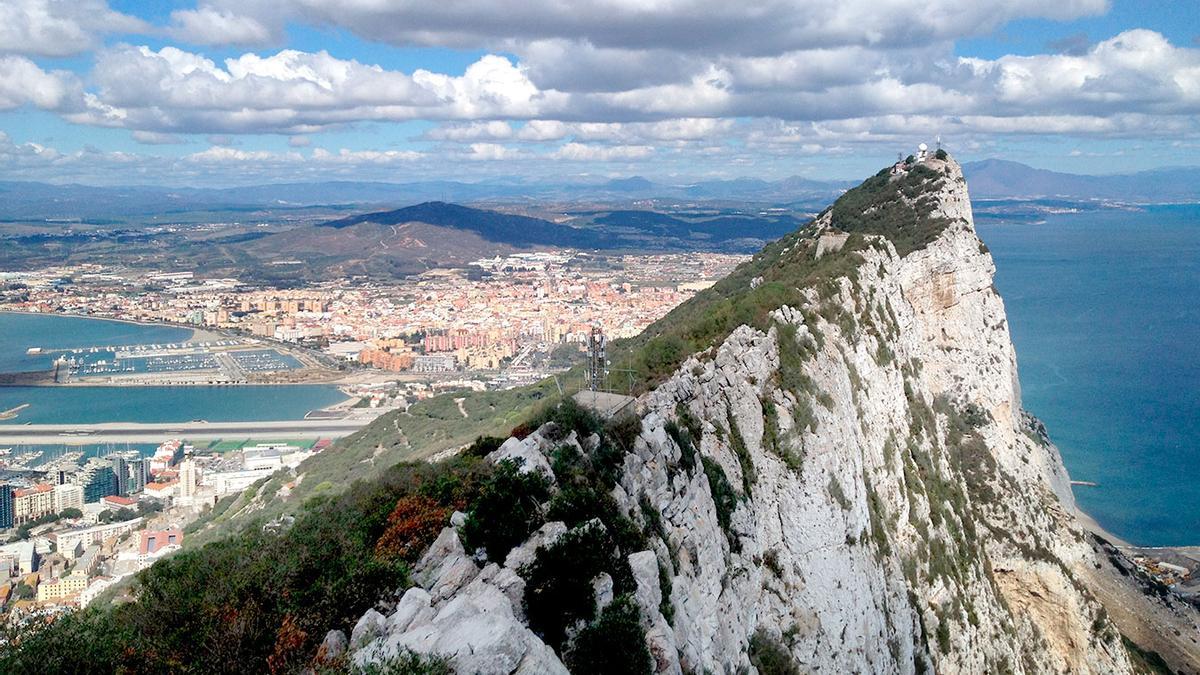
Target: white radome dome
(922,147)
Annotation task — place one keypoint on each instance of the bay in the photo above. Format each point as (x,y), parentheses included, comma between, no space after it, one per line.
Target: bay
(91,405)
(1104,309)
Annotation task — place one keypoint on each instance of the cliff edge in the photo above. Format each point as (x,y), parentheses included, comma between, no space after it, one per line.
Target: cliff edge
(843,481)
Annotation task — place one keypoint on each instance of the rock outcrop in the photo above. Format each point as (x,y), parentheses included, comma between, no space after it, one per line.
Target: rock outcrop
(894,510)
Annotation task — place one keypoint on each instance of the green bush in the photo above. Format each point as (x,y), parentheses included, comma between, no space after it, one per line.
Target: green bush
(613,645)
(507,510)
(724,497)
(558,583)
(769,656)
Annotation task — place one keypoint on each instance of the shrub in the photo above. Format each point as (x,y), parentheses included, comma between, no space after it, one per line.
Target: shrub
(412,527)
(941,154)
(613,645)
(507,511)
(482,446)
(660,357)
(723,496)
(900,209)
(558,583)
(769,656)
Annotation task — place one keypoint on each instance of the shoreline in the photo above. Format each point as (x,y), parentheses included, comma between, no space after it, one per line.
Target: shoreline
(197,333)
(1093,526)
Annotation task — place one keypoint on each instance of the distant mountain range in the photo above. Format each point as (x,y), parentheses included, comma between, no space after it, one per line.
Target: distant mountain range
(992,178)
(437,234)
(997,178)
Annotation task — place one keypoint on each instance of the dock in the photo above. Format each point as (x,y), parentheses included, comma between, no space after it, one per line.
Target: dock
(12,412)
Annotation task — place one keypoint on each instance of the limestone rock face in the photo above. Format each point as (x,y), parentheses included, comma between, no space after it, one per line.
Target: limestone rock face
(469,615)
(895,511)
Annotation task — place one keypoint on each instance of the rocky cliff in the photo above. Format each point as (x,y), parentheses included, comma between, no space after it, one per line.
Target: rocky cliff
(848,485)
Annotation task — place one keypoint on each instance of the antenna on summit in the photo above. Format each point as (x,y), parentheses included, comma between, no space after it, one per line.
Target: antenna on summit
(939,141)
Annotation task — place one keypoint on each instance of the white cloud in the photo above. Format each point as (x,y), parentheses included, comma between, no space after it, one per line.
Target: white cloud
(602,153)
(156,138)
(294,92)
(222,154)
(23,82)
(345,156)
(60,27)
(492,152)
(473,131)
(1138,70)
(213,26)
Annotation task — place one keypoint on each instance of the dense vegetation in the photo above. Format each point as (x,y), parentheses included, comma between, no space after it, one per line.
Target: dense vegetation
(262,599)
(257,601)
(899,208)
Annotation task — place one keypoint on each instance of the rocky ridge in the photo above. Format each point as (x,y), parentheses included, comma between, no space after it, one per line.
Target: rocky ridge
(855,486)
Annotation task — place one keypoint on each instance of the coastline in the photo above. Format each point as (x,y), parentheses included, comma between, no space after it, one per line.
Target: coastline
(1092,525)
(198,334)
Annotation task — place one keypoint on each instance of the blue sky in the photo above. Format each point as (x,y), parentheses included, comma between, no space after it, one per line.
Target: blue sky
(228,92)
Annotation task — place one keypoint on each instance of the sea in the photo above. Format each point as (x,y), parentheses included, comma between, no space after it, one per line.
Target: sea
(89,405)
(1104,309)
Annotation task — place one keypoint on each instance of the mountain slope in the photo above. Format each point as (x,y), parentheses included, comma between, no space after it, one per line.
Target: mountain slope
(493,226)
(827,470)
(845,481)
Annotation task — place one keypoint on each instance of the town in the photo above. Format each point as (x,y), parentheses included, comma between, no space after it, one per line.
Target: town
(503,321)
(76,529)
(78,519)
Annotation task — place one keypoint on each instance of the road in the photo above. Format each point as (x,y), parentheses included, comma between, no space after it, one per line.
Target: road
(129,432)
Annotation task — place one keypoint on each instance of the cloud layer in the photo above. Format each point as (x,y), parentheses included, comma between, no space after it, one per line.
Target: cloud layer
(608,82)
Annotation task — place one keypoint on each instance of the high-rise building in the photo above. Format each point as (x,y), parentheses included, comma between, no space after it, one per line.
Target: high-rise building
(188,479)
(139,474)
(98,480)
(6,506)
(120,469)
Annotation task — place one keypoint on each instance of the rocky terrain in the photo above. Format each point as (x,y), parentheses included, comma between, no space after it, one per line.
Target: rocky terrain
(849,486)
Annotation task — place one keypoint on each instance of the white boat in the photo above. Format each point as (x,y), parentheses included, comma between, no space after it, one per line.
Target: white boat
(33,351)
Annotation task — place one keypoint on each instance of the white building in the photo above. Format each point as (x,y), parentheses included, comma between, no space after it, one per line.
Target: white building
(189,479)
(68,496)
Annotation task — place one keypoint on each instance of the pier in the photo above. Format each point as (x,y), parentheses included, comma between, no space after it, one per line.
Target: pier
(12,412)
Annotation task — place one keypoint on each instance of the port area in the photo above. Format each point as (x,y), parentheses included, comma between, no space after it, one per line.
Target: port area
(221,360)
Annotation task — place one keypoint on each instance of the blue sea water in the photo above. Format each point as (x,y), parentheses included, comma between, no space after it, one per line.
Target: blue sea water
(92,405)
(87,405)
(1104,309)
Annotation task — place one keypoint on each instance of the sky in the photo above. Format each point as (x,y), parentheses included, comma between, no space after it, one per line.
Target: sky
(238,92)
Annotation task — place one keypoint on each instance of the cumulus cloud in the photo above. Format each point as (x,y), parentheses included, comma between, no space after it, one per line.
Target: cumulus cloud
(293,92)
(60,27)
(222,154)
(1135,71)
(23,82)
